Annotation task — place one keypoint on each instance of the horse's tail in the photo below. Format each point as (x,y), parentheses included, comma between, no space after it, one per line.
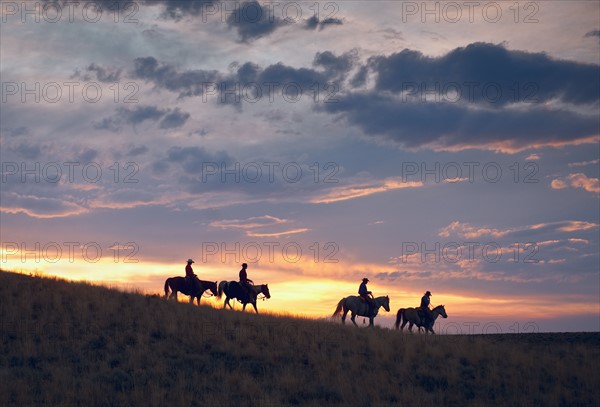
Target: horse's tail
(339,308)
(167,288)
(220,291)
(399,316)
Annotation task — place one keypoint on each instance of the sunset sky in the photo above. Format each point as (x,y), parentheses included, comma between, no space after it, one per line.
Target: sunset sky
(443,146)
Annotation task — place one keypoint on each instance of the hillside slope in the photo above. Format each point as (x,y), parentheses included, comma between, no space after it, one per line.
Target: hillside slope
(74,344)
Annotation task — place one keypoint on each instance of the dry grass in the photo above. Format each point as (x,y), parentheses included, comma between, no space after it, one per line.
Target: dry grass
(75,344)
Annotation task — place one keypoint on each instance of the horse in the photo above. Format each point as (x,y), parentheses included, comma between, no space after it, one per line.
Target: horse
(411,316)
(180,284)
(357,306)
(233,289)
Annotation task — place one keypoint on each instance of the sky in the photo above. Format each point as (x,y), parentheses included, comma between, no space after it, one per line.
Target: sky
(444,146)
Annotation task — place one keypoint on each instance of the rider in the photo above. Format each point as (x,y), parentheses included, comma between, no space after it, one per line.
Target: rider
(424,307)
(366,295)
(190,277)
(245,282)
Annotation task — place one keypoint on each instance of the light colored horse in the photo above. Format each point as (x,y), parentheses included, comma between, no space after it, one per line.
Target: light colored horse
(233,289)
(357,306)
(411,316)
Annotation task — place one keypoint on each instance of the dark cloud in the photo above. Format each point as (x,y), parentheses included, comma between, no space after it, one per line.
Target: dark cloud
(170,118)
(87,156)
(314,23)
(593,33)
(174,119)
(194,160)
(335,66)
(471,118)
(135,151)
(39,207)
(252,21)
(360,78)
(311,23)
(26,150)
(187,83)
(283,74)
(178,9)
(140,113)
(448,125)
(105,74)
(488,68)
(219,86)
(331,21)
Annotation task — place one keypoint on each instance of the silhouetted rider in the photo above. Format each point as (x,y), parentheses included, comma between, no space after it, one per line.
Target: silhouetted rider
(365,294)
(190,278)
(424,307)
(245,282)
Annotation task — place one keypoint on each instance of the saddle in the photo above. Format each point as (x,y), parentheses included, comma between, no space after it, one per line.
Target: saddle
(424,316)
(192,283)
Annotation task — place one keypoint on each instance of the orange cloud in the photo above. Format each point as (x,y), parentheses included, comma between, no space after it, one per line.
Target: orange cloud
(469,232)
(250,223)
(277,234)
(364,189)
(577,180)
(573,226)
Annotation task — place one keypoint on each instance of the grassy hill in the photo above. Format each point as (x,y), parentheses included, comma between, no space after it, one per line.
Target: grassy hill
(74,344)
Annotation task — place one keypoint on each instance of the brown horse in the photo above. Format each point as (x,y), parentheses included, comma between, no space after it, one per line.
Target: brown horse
(233,289)
(411,316)
(179,284)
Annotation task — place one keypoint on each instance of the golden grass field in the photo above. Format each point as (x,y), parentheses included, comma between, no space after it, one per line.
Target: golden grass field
(75,344)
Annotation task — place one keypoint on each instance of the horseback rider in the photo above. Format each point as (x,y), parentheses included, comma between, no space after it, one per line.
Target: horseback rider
(426,313)
(190,278)
(245,282)
(366,295)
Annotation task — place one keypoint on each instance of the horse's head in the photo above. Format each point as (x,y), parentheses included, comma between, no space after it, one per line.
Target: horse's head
(213,288)
(264,289)
(442,311)
(386,303)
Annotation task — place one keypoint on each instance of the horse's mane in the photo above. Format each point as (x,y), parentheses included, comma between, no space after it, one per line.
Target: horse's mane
(439,306)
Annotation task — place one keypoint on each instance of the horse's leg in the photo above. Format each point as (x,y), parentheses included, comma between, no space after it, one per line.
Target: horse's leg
(353,317)
(371,324)
(254,305)
(410,325)
(344,316)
